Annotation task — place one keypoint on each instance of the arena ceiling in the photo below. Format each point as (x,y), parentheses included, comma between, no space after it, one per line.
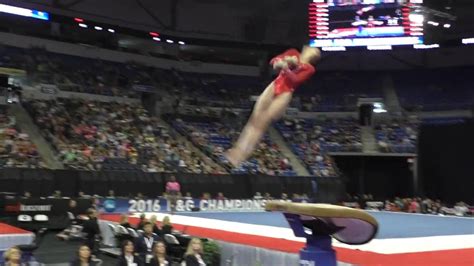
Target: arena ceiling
(267,21)
(231,24)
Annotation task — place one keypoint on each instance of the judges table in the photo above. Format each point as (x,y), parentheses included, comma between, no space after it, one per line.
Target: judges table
(56,211)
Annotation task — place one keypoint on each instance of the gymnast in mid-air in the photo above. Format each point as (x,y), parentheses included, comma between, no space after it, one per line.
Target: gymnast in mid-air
(295,68)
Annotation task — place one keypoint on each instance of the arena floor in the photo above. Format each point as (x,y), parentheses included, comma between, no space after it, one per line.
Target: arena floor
(403,239)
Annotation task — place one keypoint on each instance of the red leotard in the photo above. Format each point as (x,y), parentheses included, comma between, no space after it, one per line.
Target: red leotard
(290,52)
(288,79)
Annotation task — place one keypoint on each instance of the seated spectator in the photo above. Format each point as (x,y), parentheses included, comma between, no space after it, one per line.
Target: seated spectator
(257,196)
(267,196)
(84,257)
(111,194)
(95,202)
(461,209)
(128,256)
(206,196)
(26,195)
(124,221)
(304,198)
(296,197)
(188,196)
(397,136)
(159,255)
(426,205)
(56,194)
(156,230)
(91,135)
(16,149)
(82,195)
(166,227)
(141,222)
(312,139)
(220,196)
(213,137)
(414,206)
(145,243)
(12,256)
(194,253)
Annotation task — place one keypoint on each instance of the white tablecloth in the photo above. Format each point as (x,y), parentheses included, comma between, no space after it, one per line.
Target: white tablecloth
(9,240)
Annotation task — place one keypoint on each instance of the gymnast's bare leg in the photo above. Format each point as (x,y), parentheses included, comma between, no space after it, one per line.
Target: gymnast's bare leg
(268,108)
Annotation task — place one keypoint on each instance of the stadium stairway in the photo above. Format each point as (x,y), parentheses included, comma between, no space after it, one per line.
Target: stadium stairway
(392,103)
(369,143)
(25,123)
(297,165)
(191,146)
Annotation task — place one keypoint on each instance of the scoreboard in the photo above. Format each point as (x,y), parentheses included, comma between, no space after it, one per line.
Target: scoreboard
(348,23)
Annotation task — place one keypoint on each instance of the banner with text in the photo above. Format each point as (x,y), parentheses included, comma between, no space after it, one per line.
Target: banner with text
(182,205)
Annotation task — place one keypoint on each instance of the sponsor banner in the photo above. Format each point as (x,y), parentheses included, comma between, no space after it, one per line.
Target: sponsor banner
(182,205)
(43,206)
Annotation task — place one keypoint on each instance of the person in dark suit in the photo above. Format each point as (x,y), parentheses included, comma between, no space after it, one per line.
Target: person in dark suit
(194,253)
(145,243)
(124,221)
(156,230)
(91,229)
(128,258)
(159,255)
(141,222)
(166,227)
(84,257)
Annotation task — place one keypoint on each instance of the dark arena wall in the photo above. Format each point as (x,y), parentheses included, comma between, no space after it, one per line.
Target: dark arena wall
(446,161)
(382,176)
(129,183)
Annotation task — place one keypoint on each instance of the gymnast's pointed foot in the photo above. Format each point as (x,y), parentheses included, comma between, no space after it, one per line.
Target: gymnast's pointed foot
(234,156)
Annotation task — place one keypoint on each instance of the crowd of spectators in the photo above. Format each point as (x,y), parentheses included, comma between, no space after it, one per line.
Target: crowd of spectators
(69,74)
(425,206)
(397,136)
(16,149)
(88,135)
(312,139)
(216,90)
(215,137)
(336,91)
(333,91)
(409,205)
(148,248)
(97,136)
(435,89)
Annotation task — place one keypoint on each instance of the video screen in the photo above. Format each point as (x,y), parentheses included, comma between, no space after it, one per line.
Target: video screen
(384,20)
(364,19)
